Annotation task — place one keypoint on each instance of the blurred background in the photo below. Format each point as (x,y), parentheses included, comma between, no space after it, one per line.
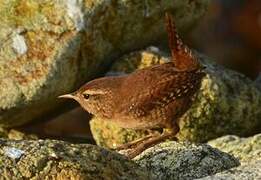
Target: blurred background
(229,33)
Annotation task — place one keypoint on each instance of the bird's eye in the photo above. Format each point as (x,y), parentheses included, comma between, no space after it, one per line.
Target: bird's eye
(86,96)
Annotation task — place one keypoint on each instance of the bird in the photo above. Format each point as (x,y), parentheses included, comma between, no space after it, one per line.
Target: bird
(149,98)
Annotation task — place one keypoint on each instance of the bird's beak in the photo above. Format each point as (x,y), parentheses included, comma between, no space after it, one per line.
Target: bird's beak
(68,96)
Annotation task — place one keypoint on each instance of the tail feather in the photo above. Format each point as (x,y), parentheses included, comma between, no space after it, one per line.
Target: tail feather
(182,56)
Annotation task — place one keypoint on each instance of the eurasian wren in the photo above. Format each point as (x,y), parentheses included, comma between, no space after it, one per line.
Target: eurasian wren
(153,97)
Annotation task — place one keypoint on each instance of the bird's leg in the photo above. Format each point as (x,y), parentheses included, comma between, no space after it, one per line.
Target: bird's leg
(153,141)
(136,142)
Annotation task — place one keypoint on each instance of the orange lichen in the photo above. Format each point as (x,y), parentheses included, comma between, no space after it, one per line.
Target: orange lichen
(40,51)
(39,48)
(26,8)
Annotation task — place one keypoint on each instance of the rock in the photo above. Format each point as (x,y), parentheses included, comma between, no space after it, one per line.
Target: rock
(16,135)
(245,172)
(3,132)
(227,103)
(50,159)
(51,47)
(110,135)
(245,149)
(172,160)
(258,81)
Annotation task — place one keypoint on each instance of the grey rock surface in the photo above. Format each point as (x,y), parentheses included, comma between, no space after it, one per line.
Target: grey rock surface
(172,160)
(227,103)
(48,48)
(258,81)
(245,149)
(50,159)
(251,171)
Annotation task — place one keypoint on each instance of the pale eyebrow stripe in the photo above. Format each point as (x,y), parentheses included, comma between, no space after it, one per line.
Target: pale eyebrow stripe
(91,92)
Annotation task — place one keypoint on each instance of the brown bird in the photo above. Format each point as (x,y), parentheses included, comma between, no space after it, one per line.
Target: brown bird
(153,97)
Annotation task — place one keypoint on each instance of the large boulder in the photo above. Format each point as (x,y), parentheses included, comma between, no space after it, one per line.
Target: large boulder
(51,47)
(49,159)
(227,103)
(247,150)
(172,160)
(245,172)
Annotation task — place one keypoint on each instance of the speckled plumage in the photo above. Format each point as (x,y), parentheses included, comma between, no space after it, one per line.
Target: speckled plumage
(153,97)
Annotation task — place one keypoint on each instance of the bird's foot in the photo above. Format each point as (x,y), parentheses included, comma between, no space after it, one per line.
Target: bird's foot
(147,143)
(135,142)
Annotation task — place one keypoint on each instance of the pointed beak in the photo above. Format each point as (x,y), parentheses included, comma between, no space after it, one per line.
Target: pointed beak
(68,96)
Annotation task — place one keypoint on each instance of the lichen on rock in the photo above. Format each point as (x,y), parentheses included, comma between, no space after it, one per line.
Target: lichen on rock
(173,160)
(110,135)
(245,149)
(248,171)
(50,159)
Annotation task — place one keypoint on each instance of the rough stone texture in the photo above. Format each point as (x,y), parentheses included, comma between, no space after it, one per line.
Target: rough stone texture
(16,135)
(258,81)
(51,47)
(227,103)
(59,160)
(249,171)
(172,160)
(110,135)
(245,149)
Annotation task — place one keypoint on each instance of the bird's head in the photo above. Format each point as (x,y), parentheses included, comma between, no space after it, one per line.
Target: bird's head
(97,96)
